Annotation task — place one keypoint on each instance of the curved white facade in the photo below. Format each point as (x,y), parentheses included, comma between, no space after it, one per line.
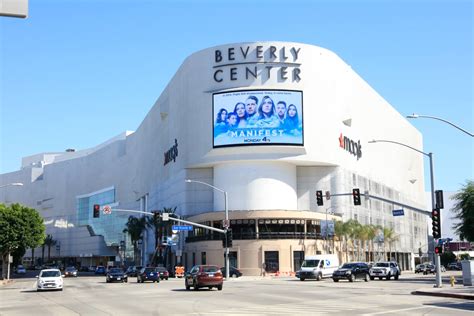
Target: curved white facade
(175,142)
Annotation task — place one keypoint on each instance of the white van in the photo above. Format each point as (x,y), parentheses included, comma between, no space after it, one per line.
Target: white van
(318,267)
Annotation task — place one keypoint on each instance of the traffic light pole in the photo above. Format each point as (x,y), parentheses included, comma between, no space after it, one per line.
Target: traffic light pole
(433,206)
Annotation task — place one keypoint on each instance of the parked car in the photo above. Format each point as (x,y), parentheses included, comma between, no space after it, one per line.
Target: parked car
(233,272)
(100,270)
(163,273)
(148,274)
(420,268)
(116,274)
(49,279)
(429,268)
(352,271)
(20,269)
(455,266)
(70,272)
(385,269)
(133,270)
(204,276)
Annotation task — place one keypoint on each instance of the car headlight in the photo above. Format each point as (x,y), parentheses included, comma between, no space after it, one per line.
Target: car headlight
(348,272)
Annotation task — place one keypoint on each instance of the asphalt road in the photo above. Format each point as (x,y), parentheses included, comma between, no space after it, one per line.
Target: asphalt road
(90,295)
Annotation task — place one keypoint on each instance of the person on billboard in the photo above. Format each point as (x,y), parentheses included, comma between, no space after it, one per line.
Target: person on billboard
(251,109)
(266,114)
(292,122)
(239,109)
(221,122)
(281,112)
(232,120)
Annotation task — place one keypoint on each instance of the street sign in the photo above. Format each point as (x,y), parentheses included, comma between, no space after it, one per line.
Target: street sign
(165,217)
(398,212)
(107,210)
(182,227)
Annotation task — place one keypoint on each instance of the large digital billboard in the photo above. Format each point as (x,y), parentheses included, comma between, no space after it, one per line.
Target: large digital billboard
(258,117)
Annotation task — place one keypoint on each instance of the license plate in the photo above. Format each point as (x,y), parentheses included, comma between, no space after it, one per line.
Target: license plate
(211,274)
(118,278)
(151,274)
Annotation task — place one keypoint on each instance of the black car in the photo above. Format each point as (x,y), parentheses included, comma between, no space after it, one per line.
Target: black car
(352,271)
(116,274)
(148,274)
(133,270)
(233,272)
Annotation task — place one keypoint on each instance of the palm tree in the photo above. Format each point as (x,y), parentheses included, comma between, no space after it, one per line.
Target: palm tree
(352,226)
(464,210)
(389,236)
(49,241)
(340,233)
(134,227)
(160,229)
(371,233)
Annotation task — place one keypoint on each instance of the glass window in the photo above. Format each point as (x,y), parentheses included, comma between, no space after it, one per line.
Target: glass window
(203,258)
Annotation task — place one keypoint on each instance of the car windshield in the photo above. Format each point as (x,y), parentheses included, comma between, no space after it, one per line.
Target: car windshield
(116,270)
(382,264)
(161,269)
(310,263)
(50,274)
(148,270)
(70,269)
(348,265)
(210,269)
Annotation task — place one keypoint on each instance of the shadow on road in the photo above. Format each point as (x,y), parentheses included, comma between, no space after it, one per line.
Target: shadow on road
(467,306)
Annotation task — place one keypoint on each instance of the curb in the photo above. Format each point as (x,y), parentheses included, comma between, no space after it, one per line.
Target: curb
(445,294)
(5,282)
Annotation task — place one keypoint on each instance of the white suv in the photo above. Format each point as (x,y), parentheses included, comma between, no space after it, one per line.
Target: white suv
(385,269)
(49,279)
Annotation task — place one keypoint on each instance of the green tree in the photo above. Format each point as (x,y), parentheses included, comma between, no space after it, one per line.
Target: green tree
(389,237)
(447,258)
(160,229)
(464,210)
(49,242)
(135,227)
(21,227)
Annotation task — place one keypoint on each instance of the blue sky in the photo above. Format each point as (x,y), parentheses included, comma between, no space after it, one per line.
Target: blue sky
(76,73)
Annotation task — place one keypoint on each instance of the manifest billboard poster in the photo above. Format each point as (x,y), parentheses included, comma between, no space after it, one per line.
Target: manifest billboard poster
(258,117)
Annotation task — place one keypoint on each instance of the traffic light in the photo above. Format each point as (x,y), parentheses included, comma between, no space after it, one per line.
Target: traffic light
(227,239)
(319,198)
(436,221)
(439,250)
(96,210)
(439,199)
(356,196)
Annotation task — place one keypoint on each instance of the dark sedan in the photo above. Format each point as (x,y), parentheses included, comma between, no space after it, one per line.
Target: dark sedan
(233,272)
(133,270)
(116,275)
(70,272)
(163,273)
(148,274)
(351,272)
(204,276)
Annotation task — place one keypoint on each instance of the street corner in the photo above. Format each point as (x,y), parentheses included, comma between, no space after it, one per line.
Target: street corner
(464,292)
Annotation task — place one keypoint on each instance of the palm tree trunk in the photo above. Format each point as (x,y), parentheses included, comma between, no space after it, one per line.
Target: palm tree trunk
(49,252)
(33,257)
(42,255)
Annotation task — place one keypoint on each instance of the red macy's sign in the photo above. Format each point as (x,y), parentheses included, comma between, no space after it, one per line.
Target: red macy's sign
(351,146)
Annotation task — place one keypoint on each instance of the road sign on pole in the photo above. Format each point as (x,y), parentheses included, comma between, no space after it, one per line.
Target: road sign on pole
(398,212)
(107,210)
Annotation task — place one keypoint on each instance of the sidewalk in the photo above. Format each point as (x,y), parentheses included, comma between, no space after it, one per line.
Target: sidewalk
(458,291)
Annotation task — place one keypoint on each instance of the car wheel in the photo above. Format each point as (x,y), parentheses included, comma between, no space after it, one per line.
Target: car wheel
(388,277)
(336,280)
(366,279)
(380,278)
(219,287)
(234,275)
(352,278)
(301,279)
(187,286)
(372,278)
(166,278)
(396,276)
(319,277)
(195,286)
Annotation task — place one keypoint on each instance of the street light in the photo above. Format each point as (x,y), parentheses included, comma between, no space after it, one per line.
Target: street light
(433,202)
(226,222)
(17,184)
(442,120)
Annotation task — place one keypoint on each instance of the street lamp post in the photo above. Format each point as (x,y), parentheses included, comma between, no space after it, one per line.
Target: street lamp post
(433,199)
(442,120)
(226,223)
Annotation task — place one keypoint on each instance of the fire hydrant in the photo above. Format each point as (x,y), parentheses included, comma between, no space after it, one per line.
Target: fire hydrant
(452,280)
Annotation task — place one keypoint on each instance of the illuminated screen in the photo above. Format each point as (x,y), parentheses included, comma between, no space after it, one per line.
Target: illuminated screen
(258,117)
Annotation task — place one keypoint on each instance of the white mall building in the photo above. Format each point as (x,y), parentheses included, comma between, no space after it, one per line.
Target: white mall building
(269,165)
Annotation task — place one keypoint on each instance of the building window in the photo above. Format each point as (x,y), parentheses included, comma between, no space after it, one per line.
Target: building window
(272,262)
(203,258)
(194,259)
(298,257)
